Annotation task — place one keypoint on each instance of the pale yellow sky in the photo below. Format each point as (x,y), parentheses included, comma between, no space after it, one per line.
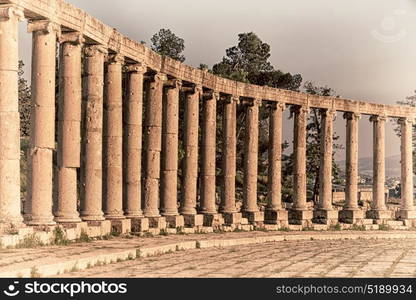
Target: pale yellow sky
(363,49)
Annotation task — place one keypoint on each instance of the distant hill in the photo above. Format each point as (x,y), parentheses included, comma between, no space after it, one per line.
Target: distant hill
(365,165)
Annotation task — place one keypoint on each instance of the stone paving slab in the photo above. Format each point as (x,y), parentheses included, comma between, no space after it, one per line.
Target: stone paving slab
(55,260)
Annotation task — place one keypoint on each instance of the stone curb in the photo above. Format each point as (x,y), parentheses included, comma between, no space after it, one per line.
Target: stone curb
(133,253)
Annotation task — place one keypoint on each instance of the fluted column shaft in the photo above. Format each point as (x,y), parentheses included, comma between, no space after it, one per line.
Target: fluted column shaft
(351,188)
(325,167)
(113,136)
(379,168)
(92,171)
(190,174)
(170,140)
(10,210)
(208,150)
(274,195)
(69,127)
(229,155)
(251,146)
(153,145)
(299,154)
(42,138)
(133,141)
(406,129)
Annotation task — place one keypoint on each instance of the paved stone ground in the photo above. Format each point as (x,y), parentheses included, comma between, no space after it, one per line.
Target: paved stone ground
(338,258)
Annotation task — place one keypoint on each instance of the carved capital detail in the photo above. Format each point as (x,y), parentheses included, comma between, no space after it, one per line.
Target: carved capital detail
(115,58)
(299,109)
(328,113)
(75,38)
(406,121)
(44,26)
(139,68)
(9,11)
(94,50)
(352,116)
(160,77)
(378,118)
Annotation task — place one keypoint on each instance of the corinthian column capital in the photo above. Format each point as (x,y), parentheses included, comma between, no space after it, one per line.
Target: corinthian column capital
(94,50)
(9,11)
(406,120)
(378,118)
(45,26)
(137,68)
(352,116)
(115,58)
(76,38)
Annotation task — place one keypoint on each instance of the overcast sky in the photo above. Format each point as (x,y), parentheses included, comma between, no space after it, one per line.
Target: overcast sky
(364,50)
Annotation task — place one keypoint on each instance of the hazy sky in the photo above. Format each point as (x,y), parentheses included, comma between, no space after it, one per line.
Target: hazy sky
(363,49)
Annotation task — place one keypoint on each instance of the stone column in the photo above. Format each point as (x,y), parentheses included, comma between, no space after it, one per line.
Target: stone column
(325,212)
(133,141)
(251,146)
(10,208)
(92,172)
(274,213)
(227,206)
(69,127)
(378,206)
(42,137)
(351,212)
(170,140)
(407,209)
(113,136)
(190,172)
(299,214)
(153,145)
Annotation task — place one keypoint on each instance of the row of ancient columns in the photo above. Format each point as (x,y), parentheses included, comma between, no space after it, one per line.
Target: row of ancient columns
(101,135)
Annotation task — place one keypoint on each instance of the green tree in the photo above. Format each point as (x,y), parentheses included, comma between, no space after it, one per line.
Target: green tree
(24,102)
(166,43)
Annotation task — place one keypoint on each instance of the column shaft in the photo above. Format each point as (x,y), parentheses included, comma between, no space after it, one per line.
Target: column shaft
(351,188)
(10,208)
(190,173)
(92,172)
(274,195)
(133,142)
(406,127)
(42,138)
(325,168)
(208,150)
(299,154)
(113,136)
(379,202)
(170,135)
(229,155)
(251,146)
(153,145)
(69,127)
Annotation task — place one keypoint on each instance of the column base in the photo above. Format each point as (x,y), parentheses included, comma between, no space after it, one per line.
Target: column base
(232,218)
(133,214)
(328,217)
(351,216)
(254,216)
(380,214)
(139,224)
(114,216)
(174,221)
(275,216)
(67,219)
(213,219)
(300,217)
(193,220)
(41,222)
(406,214)
(121,226)
(92,217)
(157,222)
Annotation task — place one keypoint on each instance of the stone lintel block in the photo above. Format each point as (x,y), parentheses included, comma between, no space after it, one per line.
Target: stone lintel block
(275,216)
(232,218)
(139,224)
(254,216)
(380,214)
(157,222)
(121,226)
(406,214)
(193,220)
(351,216)
(300,215)
(175,221)
(213,220)
(321,216)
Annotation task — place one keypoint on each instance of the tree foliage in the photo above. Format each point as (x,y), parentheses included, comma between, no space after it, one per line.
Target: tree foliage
(166,43)
(24,102)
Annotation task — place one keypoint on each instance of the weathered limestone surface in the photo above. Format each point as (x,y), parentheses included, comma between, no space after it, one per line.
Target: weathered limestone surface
(170,142)
(133,142)
(38,208)
(69,127)
(92,172)
(9,117)
(113,135)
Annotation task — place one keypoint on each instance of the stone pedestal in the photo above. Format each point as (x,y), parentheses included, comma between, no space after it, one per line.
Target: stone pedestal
(254,216)
(139,224)
(351,216)
(275,216)
(232,218)
(157,222)
(213,220)
(175,221)
(322,216)
(380,214)
(193,220)
(121,226)
(300,217)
